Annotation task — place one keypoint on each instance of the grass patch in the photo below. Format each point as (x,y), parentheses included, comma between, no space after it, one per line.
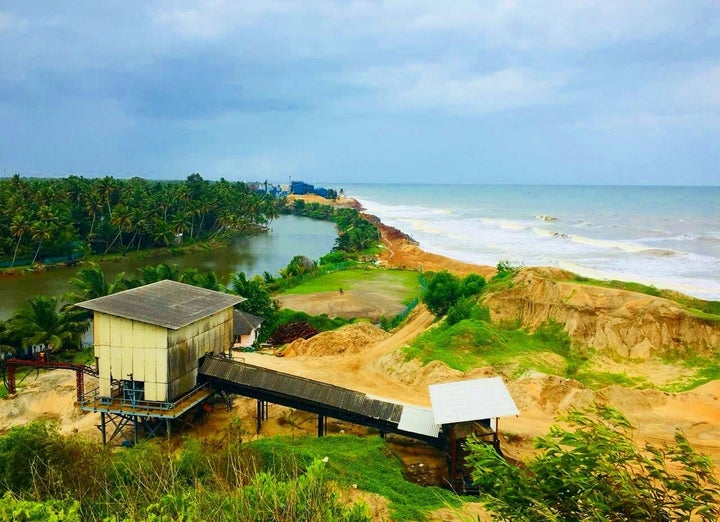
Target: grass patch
(363,461)
(469,344)
(706,370)
(597,380)
(404,282)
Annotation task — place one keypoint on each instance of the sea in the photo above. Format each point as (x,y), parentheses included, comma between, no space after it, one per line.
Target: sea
(668,237)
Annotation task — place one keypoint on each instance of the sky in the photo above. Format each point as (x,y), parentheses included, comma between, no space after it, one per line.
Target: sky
(535,92)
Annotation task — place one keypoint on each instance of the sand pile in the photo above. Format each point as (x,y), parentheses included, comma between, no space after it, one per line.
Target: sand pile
(48,395)
(351,338)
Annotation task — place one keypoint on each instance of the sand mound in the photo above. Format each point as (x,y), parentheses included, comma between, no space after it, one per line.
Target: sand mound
(616,322)
(49,395)
(351,338)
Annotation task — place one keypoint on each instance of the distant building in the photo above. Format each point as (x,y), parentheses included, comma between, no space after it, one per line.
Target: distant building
(246,328)
(300,188)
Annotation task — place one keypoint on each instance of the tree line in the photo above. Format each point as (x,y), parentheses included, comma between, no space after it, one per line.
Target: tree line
(71,217)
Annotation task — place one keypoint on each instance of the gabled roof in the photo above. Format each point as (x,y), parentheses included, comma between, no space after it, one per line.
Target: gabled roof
(166,303)
(473,400)
(245,322)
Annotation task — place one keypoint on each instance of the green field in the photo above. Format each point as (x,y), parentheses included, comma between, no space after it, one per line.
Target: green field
(402,283)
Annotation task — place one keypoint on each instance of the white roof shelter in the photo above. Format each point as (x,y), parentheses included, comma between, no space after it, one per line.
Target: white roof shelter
(473,400)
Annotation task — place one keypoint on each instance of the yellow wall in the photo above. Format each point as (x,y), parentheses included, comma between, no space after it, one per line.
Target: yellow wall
(125,347)
(166,360)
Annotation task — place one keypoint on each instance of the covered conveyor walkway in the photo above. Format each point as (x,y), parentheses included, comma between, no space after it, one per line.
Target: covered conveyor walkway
(325,400)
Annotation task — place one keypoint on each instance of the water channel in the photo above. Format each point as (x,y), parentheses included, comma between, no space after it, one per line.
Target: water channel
(289,236)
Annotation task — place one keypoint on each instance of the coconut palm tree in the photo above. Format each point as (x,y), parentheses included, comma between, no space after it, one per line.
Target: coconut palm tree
(41,320)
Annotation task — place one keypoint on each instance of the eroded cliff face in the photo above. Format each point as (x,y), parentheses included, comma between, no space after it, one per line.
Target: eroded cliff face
(630,324)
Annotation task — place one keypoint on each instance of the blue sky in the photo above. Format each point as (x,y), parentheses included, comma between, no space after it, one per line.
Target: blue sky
(592,92)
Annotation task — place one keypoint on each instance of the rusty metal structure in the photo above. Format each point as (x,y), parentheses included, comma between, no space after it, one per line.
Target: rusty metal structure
(10,367)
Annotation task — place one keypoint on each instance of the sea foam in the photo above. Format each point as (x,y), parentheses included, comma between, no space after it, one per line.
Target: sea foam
(663,236)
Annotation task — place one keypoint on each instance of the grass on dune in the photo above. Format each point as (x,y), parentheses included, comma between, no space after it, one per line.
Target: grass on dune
(470,344)
(512,351)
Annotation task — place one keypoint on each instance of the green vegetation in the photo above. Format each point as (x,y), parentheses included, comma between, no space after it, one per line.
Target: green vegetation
(51,220)
(405,282)
(257,296)
(445,291)
(593,470)
(322,323)
(361,461)
(705,369)
(282,478)
(472,343)
(40,471)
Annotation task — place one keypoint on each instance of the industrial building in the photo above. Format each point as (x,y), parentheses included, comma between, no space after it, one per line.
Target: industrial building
(148,345)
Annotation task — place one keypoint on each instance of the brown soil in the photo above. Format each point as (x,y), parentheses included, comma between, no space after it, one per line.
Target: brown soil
(366,299)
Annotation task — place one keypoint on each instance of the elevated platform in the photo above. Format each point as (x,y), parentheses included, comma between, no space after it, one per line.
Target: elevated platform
(152,416)
(325,400)
(91,401)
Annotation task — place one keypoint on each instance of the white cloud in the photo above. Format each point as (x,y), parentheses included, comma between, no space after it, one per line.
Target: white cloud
(269,164)
(208,19)
(453,87)
(700,88)
(11,22)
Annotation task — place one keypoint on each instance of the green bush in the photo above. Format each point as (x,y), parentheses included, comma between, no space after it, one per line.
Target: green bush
(593,470)
(442,292)
(13,509)
(38,458)
(462,309)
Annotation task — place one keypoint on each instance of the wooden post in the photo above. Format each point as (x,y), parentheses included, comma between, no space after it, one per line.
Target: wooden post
(321,425)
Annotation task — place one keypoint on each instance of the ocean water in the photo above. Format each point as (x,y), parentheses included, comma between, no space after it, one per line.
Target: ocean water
(668,237)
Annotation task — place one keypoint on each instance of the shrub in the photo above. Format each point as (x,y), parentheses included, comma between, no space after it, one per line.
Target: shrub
(460,310)
(593,470)
(442,292)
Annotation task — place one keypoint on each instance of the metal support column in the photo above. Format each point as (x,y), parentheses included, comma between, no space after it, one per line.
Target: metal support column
(321,425)
(102,427)
(259,415)
(79,384)
(10,379)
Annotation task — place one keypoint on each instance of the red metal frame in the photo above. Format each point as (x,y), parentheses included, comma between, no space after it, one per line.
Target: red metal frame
(79,369)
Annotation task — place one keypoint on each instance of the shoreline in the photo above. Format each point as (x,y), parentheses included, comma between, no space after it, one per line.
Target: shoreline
(401,250)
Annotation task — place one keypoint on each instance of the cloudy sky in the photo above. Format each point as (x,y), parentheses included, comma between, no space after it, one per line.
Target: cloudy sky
(595,91)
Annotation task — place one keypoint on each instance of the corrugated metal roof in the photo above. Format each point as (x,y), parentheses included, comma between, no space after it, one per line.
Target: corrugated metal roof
(244,322)
(473,400)
(166,303)
(414,419)
(301,388)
